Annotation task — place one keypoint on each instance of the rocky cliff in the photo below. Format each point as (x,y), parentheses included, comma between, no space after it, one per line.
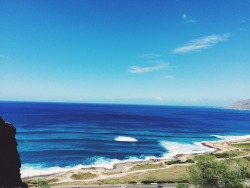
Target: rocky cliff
(240,105)
(10,163)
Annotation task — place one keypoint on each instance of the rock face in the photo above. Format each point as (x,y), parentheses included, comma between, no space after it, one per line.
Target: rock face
(10,163)
(240,105)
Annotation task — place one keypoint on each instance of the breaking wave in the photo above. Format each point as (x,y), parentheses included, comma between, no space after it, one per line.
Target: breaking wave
(231,138)
(125,139)
(175,148)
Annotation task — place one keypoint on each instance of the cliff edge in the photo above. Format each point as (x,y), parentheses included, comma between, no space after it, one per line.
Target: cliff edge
(240,105)
(10,163)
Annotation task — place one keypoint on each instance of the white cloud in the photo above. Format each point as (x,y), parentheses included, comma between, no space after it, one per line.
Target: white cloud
(139,69)
(201,43)
(150,56)
(188,19)
(169,76)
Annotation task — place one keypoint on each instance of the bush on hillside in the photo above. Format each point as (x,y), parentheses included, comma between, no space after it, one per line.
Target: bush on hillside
(209,173)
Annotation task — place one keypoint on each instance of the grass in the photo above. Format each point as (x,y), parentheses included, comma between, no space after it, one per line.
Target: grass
(179,162)
(243,146)
(246,161)
(110,173)
(177,174)
(83,176)
(43,182)
(224,155)
(227,154)
(169,175)
(147,166)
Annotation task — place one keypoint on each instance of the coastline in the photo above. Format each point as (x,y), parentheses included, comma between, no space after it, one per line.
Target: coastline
(122,169)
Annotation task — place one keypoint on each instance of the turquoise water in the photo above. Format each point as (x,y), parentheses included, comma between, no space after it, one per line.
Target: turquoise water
(58,136)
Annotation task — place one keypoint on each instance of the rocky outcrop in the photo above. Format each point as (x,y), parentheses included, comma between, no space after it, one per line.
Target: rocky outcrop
(240,105)
(10,163)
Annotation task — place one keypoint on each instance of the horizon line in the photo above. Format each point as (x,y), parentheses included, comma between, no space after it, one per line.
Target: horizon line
(109,103)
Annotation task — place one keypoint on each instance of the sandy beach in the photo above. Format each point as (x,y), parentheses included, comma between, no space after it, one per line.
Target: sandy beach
(125,173)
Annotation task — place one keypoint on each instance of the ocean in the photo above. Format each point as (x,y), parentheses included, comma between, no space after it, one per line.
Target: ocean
(55,137)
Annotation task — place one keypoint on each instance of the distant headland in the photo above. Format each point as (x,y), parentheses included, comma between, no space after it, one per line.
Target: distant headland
(240,105)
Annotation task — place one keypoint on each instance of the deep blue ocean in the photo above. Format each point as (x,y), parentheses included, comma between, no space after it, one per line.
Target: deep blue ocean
(57,136)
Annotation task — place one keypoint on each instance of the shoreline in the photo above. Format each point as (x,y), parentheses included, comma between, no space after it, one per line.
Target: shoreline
(121,169)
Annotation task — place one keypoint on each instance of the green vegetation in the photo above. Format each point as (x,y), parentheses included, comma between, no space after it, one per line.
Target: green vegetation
(31,183)
(182,185)
(83,176)
(179,162)
(44,184)
(174,162)
(189,161)
(209,173)
(243,146)
(246,162)
(110,173)
(218,170)
(228,154)
(169,175)
(147,166)
(52,180)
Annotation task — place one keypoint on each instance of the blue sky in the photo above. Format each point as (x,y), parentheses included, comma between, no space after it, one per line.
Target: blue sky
(177,52)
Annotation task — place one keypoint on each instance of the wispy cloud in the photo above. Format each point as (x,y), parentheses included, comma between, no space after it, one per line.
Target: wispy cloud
(188,19)
(169,76)
(139,69)
(150,56)
(198,44)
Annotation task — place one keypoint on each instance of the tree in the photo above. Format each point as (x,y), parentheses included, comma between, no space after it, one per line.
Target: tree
(209,173)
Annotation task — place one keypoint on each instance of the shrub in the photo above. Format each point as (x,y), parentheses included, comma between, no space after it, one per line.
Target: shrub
(83,176)
(209,173)
(44,184)
(179,161)
(181,185)
(189,161)
(174,162)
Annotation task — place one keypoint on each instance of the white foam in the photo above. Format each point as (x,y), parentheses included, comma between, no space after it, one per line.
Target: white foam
(175,148)
(125,139)
(232,138)
(31,170)
(105,162)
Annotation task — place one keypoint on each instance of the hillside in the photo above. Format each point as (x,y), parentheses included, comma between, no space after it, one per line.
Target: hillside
(240,105)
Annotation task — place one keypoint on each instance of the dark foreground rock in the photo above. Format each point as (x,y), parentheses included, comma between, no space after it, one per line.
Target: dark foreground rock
(10,163)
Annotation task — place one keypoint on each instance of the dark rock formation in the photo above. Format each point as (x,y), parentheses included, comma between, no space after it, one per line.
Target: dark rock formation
(240,105)
(10,163)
